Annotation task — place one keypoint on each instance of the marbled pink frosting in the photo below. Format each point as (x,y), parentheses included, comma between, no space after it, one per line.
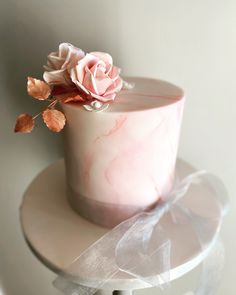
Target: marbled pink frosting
(125,155)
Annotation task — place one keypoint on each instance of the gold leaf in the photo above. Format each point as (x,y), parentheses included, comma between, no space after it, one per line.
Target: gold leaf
(38,89)
(24,123)
(54,119)
(72,98)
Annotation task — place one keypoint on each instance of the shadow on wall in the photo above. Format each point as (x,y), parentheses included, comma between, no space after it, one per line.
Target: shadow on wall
(29,30)
(27,40)
(32,30)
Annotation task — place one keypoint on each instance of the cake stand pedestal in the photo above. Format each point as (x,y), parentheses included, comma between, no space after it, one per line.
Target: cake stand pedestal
(57,235)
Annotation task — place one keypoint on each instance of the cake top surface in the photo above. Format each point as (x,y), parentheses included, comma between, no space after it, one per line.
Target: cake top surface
(146,94)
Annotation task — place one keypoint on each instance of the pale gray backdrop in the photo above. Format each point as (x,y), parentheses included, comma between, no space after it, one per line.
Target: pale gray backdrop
(191,43)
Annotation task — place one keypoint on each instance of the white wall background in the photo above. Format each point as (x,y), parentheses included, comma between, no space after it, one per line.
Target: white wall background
(190,43)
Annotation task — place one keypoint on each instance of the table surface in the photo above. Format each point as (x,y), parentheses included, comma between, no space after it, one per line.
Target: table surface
(57,235)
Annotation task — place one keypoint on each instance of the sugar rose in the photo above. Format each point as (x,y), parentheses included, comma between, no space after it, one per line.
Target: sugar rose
(97,77)
(71,76)
(59,64)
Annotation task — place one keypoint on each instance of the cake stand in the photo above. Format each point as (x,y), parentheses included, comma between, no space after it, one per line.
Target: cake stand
(57,235)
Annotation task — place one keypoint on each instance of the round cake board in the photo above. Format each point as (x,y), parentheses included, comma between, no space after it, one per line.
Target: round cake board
(57,235)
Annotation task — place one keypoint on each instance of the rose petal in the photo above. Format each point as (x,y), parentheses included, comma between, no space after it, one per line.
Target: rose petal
(115,87)
(77,73)
(95,80)
(71,55)
(102,84)
(58,77)
(89,82)
(54,119)
(104,98)
(59,63)
(108,70)
(98,65)
(103,56)
(114,73)
(24,123)
(55,62)
(38,89)
(111,91)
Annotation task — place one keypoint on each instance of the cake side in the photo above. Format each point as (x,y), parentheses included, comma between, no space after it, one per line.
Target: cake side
(125,158)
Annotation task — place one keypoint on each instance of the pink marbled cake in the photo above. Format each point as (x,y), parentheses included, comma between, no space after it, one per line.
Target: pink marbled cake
(122,160)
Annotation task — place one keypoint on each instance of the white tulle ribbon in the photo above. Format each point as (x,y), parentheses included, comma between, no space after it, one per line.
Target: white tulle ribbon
(140,247)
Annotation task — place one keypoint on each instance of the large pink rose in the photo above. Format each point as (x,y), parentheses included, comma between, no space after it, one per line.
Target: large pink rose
(96,76)
(59,64)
